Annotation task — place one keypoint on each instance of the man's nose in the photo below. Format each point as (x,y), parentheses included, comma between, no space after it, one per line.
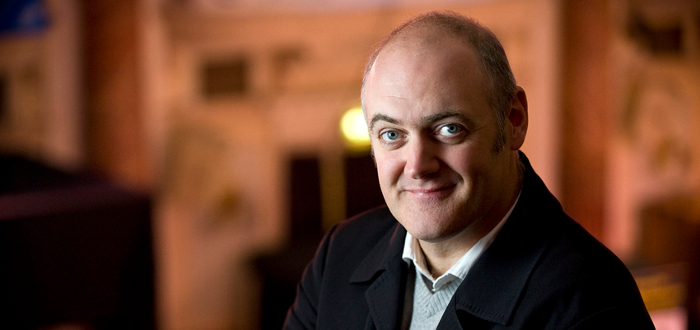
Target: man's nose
(421,159)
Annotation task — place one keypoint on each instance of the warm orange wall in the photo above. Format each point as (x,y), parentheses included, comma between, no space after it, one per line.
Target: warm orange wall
(586,105)
(115,134)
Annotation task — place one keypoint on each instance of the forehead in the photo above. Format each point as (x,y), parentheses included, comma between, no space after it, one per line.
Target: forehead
(421,75)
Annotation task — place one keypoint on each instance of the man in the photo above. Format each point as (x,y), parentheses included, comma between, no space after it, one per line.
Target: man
(471,238)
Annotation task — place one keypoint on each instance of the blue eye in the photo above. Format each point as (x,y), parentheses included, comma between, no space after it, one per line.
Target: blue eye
(390,135)
(449,129)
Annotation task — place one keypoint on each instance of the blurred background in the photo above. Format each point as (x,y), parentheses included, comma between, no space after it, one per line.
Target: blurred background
(172,164)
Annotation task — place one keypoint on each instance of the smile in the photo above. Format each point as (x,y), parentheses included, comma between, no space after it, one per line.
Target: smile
(437,192)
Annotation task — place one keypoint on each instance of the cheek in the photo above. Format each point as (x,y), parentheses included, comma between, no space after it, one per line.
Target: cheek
(388,168)
(462,160)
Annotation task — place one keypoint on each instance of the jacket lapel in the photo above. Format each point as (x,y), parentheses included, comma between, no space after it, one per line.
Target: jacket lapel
(383,271)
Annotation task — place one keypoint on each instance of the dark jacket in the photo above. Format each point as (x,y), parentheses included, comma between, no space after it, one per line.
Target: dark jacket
(543,271)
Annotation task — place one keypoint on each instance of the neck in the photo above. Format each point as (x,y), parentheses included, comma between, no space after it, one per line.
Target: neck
(439,258)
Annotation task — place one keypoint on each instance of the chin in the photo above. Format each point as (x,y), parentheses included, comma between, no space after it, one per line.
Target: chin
(429,226)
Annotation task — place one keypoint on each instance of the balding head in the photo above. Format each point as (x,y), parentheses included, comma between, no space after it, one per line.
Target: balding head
(432,28)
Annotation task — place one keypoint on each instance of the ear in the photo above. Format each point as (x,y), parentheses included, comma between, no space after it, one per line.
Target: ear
(517,118)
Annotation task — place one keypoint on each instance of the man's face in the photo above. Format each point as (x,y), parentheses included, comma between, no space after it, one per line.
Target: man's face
(433,134)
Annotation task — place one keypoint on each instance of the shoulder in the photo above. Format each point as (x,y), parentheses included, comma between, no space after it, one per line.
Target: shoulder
(585,281)
(564,246)
(574,256)
(565,256)
(358,247)
(581,280)
(571,275)
(326,288)
(362,232)
(373,221)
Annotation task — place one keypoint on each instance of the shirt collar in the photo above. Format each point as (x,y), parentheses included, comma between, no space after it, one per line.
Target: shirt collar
(413,253)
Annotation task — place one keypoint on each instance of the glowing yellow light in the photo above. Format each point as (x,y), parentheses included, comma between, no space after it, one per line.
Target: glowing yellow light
(354,128)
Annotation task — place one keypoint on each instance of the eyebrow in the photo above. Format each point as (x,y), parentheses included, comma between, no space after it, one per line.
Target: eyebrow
(445,114)
(381,117)
(428,120)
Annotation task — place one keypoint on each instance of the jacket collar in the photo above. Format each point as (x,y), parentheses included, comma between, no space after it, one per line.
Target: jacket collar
(384,256)
(384,273)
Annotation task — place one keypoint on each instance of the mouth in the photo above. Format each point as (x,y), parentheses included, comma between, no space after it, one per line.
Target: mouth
(433,192)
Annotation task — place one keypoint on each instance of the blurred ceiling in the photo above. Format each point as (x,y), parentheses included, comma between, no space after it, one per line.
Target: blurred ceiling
(252,6)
